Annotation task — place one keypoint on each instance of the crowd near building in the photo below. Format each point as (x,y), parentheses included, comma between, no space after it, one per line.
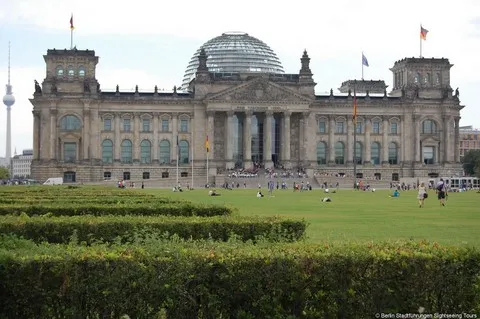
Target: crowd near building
(236,93)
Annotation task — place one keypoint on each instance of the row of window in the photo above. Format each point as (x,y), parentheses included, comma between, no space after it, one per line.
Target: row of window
(339,147)
(145,175)
(72,123)
(60,71)
(428,127)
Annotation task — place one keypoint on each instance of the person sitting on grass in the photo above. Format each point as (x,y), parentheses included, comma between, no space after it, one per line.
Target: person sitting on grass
(213,193)
(259,194)
(396,193)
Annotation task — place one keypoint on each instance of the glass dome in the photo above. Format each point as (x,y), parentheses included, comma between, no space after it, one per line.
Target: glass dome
(235,52)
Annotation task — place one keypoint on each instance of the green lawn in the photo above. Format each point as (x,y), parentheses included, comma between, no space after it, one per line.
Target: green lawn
(359,216)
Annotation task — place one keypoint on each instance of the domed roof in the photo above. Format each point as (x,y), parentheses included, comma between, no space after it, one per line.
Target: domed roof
(8,100)
(235,52)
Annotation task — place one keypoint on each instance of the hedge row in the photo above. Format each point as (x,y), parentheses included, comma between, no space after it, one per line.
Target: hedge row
(89,199)
(90,229)
(146,209)
(215,280)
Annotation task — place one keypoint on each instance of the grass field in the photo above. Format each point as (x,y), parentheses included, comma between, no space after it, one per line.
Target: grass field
(359,216)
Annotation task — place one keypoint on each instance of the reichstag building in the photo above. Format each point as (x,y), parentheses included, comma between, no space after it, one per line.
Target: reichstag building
(236,92)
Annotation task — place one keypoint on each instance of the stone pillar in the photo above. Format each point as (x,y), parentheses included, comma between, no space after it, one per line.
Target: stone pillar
(156,151)
(368,142)
(286,138)
(267,139)
(53,134)
(457,140)
(175,137)
(247,140)
(229,141)
(349,154)
(416,146)
(118,142)
(305,141)
(136,138)
(36,134)
(331,140)
(94,134)
(385,140)
(407,138)
(86,133)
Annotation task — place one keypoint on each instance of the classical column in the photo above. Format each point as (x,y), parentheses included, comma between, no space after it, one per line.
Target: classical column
(350,146)
(86,133)
(36,134)
(53,133)
(331,140)
(210,134)
(94,134)
(385,141)
(368,141)
(173,155)
(117,146)
(229,141)
(416,127)
(136,137)
(286,137)
(155,138)
(247,140)
(267,143)
(457,141)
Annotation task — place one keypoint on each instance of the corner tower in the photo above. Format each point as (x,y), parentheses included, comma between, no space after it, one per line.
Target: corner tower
(421,77)
(70,72)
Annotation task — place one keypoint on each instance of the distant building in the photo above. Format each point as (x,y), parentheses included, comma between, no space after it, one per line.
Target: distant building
(4,162)
(469,139)
(21,164)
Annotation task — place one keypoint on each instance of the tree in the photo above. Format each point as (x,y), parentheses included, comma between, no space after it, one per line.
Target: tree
(4,173)
(471,163)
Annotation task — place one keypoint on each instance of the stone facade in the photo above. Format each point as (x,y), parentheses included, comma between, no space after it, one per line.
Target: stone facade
(85,134)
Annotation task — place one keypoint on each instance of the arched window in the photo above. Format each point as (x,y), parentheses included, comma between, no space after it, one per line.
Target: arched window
(70,123)
(429,127)
(59,70)
(81,70)
(437,79)
(126,150)
(417,78)
(145,152)
(107,151)
(392,153)
(184,152)
(71,71)
(164,152)
(321,153)
(375,153)
(358,153)
(339,153)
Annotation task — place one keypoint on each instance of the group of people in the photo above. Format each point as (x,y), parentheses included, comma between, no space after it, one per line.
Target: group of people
(441,190)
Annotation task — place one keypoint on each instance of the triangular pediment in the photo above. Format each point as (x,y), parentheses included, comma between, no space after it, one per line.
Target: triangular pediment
(258,90)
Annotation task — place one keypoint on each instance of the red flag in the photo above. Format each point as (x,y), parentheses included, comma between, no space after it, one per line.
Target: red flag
(71,23)
(423,33)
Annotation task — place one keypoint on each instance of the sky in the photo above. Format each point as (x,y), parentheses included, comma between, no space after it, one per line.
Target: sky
(148,43)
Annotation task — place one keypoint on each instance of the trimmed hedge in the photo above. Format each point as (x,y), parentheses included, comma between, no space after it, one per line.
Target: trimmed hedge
(146,209)
(90,229)
(214,280)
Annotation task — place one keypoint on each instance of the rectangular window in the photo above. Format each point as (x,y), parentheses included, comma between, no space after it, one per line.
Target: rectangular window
(339,128)
(107,124)
(146,175)
(126,176)
(322,127)
(376,127)
(69,152)
(165,126)
(359,127)
(428,154)
(146,125)
(107,176)
(126,125)
(393,128)
(183,125)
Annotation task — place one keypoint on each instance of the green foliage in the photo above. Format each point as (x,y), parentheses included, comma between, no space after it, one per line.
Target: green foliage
(206,279)
(89,229)
(4,173)
(471,163)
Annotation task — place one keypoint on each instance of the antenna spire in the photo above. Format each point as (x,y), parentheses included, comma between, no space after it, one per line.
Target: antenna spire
(9,64)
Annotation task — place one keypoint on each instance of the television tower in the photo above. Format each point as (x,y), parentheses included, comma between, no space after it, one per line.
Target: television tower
(9,100)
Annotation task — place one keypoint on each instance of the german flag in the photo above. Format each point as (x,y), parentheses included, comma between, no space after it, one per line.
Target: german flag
(207,145)
(423,33)
(71,23)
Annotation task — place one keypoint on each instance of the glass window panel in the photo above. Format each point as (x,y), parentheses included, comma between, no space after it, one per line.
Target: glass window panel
(393,153)
(146,125)
(126,125)
(321,153)
(126,151)
(164,152)
(183,125)
(107,124)
(339,153)
(322,126)
(145,152)
(339,127)
(107,151)
(183,152)
(375,153)
(70,123)
(165,125)
(376,127)
(69,152)
(394,128)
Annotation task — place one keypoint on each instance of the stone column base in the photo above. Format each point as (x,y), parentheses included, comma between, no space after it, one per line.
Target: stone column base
(230,164)
(268,164)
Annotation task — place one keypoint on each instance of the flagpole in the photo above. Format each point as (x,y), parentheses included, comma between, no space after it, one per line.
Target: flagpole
(420,40)
(207,167)
(178,151)
(355,135)
(71,38)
